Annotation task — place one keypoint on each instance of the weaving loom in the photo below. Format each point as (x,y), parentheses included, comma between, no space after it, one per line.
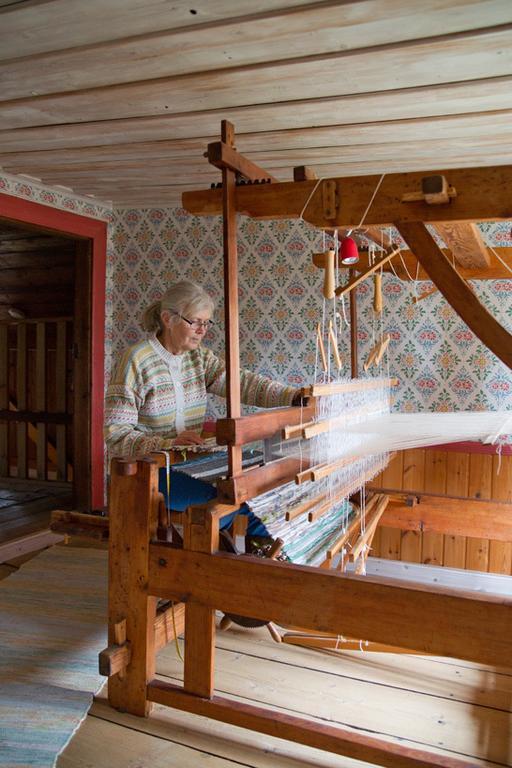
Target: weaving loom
(199,579)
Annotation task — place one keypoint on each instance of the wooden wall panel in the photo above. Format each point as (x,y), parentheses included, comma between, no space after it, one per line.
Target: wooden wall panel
(448,474)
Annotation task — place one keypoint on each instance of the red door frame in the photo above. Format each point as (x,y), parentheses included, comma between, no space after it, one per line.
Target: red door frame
(24,211)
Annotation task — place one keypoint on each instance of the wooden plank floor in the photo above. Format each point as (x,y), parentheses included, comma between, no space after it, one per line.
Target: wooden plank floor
(25,506)
(446,706)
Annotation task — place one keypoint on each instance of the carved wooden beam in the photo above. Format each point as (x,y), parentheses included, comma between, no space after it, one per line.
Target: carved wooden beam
(456,291)
(483,194)
(466,244)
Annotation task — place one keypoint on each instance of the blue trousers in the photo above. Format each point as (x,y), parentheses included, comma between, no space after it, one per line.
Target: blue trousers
(186,490)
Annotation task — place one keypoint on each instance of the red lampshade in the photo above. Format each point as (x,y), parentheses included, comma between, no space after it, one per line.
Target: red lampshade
(348,251)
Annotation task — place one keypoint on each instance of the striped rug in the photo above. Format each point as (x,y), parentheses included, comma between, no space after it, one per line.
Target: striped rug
(52,627)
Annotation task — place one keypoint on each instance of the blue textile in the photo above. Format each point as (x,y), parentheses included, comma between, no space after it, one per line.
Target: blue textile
(187,490)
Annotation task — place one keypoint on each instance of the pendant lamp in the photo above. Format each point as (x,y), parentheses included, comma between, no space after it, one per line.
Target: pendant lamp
(348,251)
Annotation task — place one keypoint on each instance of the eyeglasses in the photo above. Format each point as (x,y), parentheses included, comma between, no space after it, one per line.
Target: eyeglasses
(195,324)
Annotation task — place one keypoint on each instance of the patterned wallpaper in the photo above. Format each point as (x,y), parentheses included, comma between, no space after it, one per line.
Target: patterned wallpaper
(437,359)
(55,197)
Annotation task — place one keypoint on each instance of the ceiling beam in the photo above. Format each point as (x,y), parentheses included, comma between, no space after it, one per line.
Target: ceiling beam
(456,290)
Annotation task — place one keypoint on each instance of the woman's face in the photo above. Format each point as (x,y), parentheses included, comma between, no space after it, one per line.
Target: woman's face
(183,333)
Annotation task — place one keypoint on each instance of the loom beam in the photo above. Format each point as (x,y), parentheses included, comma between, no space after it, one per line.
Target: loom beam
(484,195)
(456,290)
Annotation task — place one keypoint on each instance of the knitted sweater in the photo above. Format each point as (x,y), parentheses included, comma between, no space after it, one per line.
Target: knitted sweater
(149,399)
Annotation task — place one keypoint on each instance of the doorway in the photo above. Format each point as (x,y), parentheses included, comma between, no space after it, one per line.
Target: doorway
(52,302)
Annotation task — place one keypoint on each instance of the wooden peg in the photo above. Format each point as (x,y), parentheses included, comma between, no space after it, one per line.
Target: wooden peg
(334,345)
(371,357)
(321,346)
(325,261)
(377,293)
(382,348)
(435,190)
(425,294)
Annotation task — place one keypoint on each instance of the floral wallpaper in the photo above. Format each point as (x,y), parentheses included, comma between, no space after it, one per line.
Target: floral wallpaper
(55,197)
(437,359)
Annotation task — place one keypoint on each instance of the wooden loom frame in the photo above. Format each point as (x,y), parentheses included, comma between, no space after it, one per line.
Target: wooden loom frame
(201,578)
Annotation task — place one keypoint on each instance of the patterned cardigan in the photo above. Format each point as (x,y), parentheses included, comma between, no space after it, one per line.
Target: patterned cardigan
(141,401)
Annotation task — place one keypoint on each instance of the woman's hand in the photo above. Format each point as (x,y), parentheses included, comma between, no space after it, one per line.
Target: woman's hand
(188,437)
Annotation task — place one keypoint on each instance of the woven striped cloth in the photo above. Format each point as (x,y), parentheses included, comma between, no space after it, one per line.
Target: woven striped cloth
(52,627)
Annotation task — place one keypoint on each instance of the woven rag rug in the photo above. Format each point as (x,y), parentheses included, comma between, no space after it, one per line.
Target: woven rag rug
(52,626)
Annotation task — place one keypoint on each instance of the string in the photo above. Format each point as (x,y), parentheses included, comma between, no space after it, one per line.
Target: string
(371,201)
(301,215)
(509,269)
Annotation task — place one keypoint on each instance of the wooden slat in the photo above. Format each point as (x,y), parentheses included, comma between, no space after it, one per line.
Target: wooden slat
(82,371)
(410,546)
(390,541)
(60,398)
(500,557)
(21,398)
(432,547)
(119,19)
(285,726)
(501,478)
(460,517)
(457,484)
(435,471)
(480,476)
(454,553)
(409,110)
(451,58)
(414,469)
(4,402)
(252,482)
(392,477)
(477,554)
(457,474)
(261,145)
(41,353)
(319,29)
(457,292)
(258,426)
(478,629)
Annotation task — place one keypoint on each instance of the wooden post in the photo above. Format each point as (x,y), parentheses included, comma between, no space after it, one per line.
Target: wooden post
(133,522)
(201,535)
(353,329)
(231,298)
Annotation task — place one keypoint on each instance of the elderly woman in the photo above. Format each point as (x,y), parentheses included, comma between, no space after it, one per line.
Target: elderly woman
(157,394)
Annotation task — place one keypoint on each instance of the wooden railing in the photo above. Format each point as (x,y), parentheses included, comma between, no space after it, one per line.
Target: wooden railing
(35,408)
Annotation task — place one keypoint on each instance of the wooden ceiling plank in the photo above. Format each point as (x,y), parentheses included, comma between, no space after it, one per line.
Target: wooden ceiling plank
(278,35)
(408,65)
(456,291)
(113,190)
(280,163)
(440,129)
(60,24)
(463,98)
(485,197)
(465,243)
